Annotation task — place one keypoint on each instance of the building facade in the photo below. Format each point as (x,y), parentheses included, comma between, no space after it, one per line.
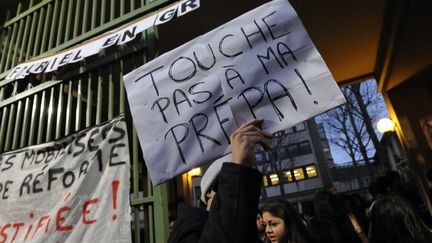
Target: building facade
(295,166)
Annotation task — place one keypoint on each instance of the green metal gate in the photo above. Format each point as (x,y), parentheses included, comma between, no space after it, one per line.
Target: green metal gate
(46,107)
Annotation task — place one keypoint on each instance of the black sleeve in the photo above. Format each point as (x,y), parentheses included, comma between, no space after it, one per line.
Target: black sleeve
(188,225)
(232,216)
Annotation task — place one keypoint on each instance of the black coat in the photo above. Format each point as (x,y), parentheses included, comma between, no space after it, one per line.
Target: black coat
(232,216)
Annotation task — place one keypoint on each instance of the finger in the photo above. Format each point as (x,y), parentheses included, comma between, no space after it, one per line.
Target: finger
(254,128)
(255,139)
(252,136)
(253,122)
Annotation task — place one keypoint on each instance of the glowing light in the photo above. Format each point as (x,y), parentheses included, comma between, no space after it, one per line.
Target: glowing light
(385,125)
(195,172)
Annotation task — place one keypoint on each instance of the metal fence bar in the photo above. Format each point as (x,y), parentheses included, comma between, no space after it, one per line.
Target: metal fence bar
(42,110)
(19,8)
(99,98)
(132,5)
(24,135)
(4,49)
(78,107)
(10,21)
(135,183)
(54,21)
(161,197)
(31,35)
(17,126)
(46,28)
(103,12)
(151,223)
(94,10)
(137,224)
(61,22)
(85,16)
(122,96)
(59,112)
(68,109)
(110,94)
(25,39)
(50,118)
(8,57)
(69,20)
(33,119)
(122,8)
(10,128)
(77,18)
(3,127)
(2,38)
(18,41)
(112,10)
(36,47)
(89,101)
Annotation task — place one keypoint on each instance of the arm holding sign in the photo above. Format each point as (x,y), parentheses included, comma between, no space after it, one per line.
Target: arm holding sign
(234,205)
(244,139)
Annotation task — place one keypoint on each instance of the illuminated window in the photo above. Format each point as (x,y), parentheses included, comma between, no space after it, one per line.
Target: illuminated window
(298,174)
(265,181)
(274,179)
(288,176)
(311,171)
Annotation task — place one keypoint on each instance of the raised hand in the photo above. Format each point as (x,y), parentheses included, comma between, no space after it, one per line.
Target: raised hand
(244,139)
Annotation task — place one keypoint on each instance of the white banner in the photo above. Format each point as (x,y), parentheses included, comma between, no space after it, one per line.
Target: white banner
(187,102)
(118,36)
(73,190)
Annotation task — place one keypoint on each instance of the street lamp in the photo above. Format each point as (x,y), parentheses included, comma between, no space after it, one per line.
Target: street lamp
(385,125)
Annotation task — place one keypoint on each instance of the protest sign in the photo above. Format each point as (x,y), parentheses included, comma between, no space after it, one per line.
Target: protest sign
(72,190)
(187,102)
(118,36)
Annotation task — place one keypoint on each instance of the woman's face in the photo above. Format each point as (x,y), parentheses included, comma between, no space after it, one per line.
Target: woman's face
(274,227)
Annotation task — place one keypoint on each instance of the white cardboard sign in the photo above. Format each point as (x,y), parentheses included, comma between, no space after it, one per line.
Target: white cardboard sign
(187,102)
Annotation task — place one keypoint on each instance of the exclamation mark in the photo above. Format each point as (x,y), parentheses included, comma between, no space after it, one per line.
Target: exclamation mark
(304,83)
(115,185)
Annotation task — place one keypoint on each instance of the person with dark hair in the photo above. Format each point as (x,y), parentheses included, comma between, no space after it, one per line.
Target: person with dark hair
(404,189)
(308,212)
(380,187)
(393,220)
(260,227)
(334,222)
(283,223)
(231,193)
(357,206)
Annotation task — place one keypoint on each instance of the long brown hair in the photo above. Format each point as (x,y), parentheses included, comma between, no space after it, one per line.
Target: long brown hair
(295,230)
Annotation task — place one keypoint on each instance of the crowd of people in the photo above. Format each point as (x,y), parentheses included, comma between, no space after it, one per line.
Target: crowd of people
(232,213)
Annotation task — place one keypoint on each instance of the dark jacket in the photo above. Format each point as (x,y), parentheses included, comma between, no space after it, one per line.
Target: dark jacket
(232,216)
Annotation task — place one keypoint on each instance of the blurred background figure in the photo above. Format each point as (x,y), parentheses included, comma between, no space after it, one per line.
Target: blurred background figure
(171,223)
(393,220)
(334,222)
(260,226)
